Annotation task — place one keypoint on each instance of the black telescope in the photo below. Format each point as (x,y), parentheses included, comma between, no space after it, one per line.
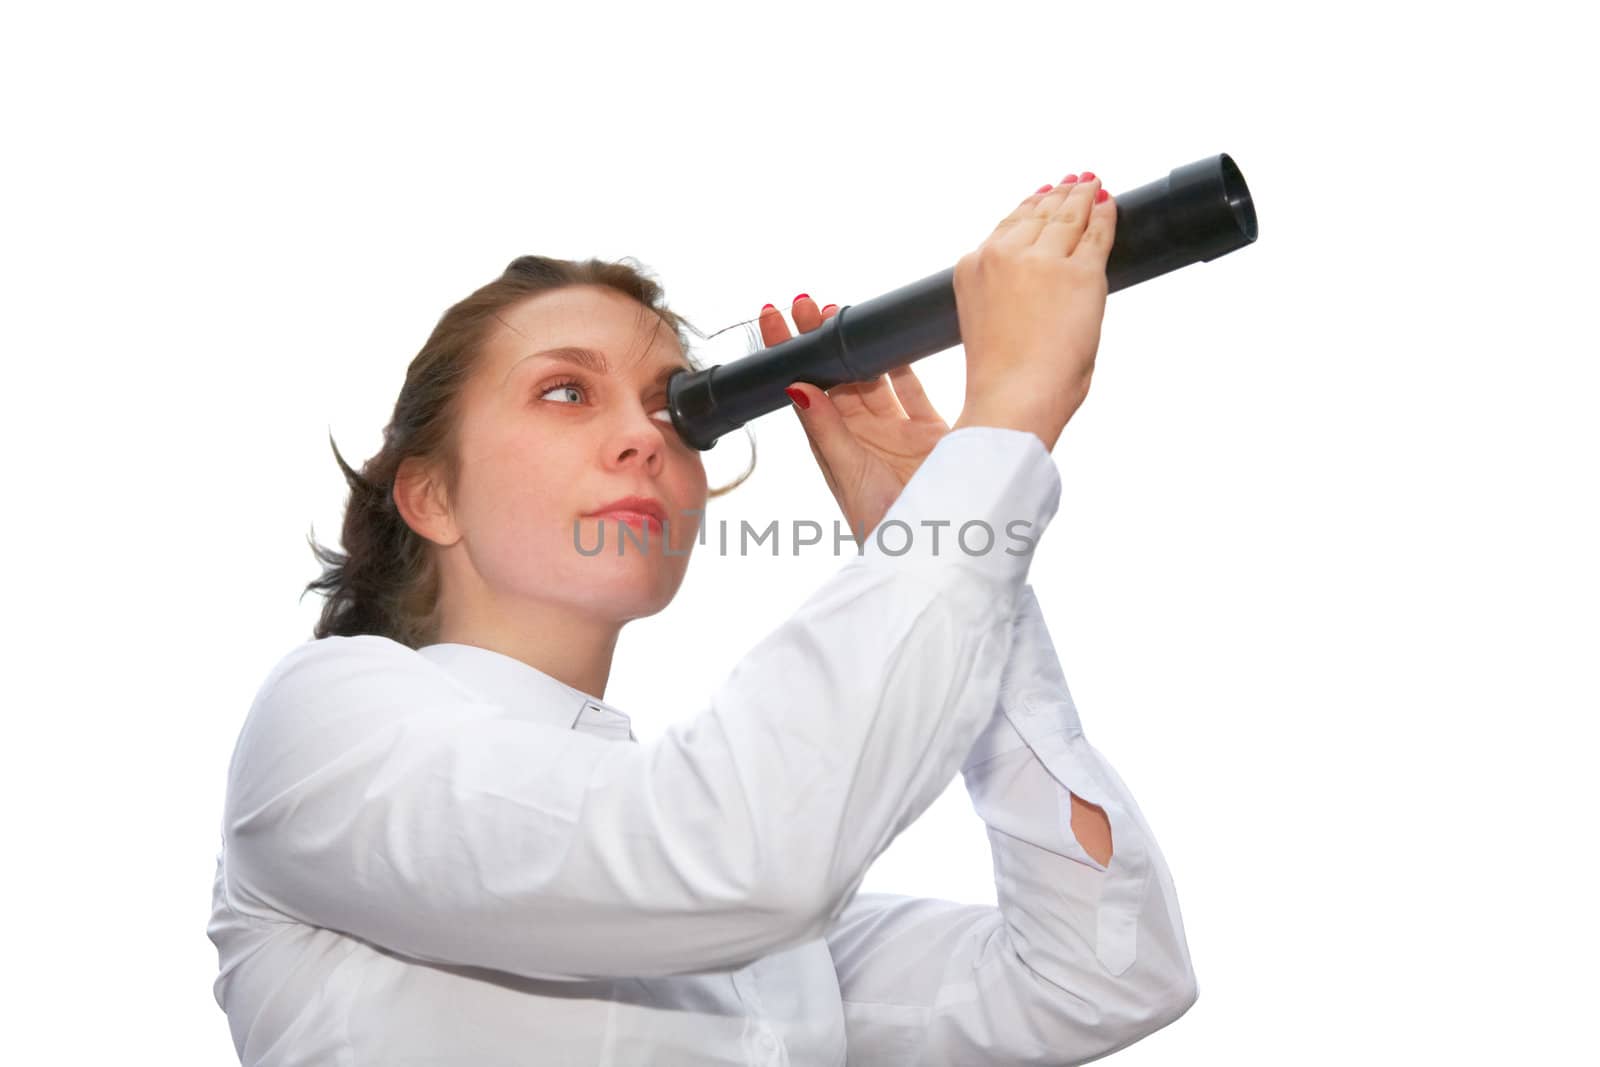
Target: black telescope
(1196,213)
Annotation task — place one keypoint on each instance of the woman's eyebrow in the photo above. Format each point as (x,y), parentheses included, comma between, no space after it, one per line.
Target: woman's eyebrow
(594,361)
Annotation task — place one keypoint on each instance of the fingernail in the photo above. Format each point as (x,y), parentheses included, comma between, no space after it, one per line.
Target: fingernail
(798,397)
(764,307)
(801,297)
(830,306)
(1101,197)
(1043,189)
(1069,179)
(1087,176)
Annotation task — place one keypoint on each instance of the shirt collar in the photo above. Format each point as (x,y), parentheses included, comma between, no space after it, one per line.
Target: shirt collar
(529,691)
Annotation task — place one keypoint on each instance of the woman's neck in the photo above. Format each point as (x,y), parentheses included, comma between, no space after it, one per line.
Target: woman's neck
(571,648)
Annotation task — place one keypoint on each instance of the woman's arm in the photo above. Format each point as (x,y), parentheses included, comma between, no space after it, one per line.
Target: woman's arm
(1080,958)
(371,794)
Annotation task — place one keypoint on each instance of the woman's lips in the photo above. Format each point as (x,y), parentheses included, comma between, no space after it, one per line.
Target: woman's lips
(632,518)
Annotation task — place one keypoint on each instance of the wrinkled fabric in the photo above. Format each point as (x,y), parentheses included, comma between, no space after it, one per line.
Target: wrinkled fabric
(446,856)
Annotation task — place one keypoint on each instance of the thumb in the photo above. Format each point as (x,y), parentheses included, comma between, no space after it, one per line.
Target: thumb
(820,419)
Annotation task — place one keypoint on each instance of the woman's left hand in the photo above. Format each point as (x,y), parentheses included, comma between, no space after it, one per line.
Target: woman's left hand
(869,438)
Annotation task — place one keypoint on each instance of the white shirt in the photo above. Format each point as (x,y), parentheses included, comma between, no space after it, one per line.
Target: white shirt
(445,856)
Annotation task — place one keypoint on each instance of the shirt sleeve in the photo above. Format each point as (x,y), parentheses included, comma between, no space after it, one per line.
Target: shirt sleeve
(1078,960)
(372,794)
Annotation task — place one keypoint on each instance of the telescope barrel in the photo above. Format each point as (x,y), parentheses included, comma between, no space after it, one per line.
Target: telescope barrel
(1196,213)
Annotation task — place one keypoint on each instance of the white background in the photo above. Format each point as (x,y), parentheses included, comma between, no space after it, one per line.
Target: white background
(1323,578)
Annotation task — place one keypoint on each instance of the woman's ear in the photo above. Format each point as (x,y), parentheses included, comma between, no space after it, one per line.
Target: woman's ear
(420,496)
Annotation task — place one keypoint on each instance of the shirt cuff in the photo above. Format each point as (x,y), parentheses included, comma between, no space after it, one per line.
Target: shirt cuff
(980,500)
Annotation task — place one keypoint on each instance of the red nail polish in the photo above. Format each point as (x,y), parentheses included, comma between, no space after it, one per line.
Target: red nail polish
(1069,179)
(766,306)
(1087,176)
(1101,197)
(801,297)
(1043,189)
(798,397)
(830,306)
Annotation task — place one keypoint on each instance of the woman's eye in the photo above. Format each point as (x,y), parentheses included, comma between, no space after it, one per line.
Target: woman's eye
(559,386)
(663,414)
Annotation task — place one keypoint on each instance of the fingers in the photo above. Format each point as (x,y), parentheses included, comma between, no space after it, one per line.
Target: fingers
(898,393)
(1055,215)
(774,331)
(831,442)
(805,314)
(1098,237)
(1059,218)
(875,396)
(1067,220)
(1021,219)
(909,390)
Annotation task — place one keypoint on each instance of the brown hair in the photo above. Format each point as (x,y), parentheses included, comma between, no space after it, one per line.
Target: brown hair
(386,580)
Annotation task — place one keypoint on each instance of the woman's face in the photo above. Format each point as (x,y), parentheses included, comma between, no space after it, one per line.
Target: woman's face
(544,442)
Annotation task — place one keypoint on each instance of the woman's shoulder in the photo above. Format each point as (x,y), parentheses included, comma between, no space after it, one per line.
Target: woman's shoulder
(335,655)
(336,648)
(323,700)
(339,677)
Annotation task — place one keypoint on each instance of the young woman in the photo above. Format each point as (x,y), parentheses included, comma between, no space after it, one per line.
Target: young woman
(441,845)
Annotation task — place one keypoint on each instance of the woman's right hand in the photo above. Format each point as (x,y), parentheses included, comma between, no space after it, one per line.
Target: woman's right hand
(1030,300)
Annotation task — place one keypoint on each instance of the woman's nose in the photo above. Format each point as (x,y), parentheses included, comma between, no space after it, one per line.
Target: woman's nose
(639,440)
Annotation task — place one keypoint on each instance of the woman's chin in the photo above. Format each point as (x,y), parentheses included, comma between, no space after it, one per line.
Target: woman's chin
(630,588)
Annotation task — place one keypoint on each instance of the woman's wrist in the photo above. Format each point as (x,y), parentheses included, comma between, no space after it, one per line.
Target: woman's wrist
(1011,417)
